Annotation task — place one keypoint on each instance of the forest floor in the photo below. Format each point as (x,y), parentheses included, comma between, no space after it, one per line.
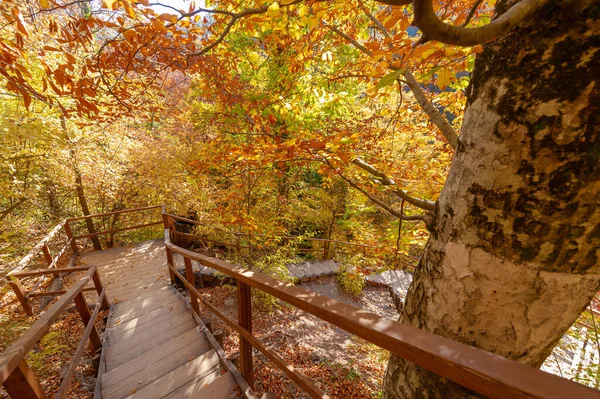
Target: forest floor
(344,366)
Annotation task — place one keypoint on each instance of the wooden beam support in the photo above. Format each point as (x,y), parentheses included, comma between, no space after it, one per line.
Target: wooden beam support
(170,262)
(100,289)
(69,234)
(22,384)
(189,274)
(47,254)
(20,293)
(86,317)
(244,300)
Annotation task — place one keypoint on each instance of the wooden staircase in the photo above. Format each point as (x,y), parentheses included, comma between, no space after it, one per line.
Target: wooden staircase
(156,350)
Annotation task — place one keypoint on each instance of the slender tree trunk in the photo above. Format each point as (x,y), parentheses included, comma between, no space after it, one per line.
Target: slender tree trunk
(80,191)
(513,255)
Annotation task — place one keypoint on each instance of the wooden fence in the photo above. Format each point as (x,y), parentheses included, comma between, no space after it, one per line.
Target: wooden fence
(483,372)
(15,277)
(15,375)
(478,370)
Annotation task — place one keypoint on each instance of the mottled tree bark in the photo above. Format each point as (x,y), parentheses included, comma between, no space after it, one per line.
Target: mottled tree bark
(513,256)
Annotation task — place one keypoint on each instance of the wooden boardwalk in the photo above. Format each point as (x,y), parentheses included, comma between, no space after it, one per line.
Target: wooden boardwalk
(153,346)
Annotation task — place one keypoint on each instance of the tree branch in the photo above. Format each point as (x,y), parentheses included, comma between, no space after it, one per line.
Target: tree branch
(434,29)
(389,209)
(388,181)
(436,116)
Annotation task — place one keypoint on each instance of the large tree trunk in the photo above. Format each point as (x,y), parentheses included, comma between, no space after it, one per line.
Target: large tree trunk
(514,253)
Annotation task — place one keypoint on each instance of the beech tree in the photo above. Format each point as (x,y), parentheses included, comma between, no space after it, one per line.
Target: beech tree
(515,232)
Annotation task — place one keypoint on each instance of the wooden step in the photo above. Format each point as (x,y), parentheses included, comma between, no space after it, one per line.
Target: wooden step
(133,312)
(140,288)
(122,345)
(139,295)
(189,377)
(146,375)
(149,359)
(116,282)
(142,300)
(223,387)
(148,321)
(117,358)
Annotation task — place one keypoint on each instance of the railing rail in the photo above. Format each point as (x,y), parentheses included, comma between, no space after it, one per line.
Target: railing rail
(16,276)
(15,375)
(483,372)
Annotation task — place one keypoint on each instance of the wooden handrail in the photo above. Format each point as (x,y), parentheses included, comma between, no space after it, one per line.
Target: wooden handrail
(304,382)
(15,375)
(12,356)
(117,230)
(23,263)
(484,372)
(180,218)
(114,212)
(68,376)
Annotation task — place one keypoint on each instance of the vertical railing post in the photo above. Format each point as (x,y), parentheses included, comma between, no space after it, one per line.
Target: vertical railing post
(22,384)
(69,234)
(20,293)
(244,302)
(189,274)
(86,317)
(325,248)
(98,286)
(165,219)
(170,262)
(47,254)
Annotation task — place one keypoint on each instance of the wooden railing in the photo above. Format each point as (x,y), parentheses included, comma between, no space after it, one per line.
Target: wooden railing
(15,277)
(476,369)
(326,247)
(15,375)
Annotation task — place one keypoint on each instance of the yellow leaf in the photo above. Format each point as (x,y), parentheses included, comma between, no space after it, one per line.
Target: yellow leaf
(273,10)
(109,4)
(444,78)
(158,25)
(44,3)
(290,142)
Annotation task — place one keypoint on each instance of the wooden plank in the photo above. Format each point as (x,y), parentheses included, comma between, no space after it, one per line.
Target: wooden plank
(95,215)
(23,263)
(149,320)
(87,319)
(46,252)
(101,370)
(201,370)
(135,295)
(19,291)
(150,358)
(87,334)
(142,301)
(476,369)
(22,384)
(117,357)
(120,345)
(116,390)
(133,312)
(244,302)
(69,234)
(12,356)
(137,287)
(100,289)
(59,292)
(189,274)
(222,387)
(52,271)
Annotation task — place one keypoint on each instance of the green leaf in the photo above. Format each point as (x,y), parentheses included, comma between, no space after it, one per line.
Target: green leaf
(389,79)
